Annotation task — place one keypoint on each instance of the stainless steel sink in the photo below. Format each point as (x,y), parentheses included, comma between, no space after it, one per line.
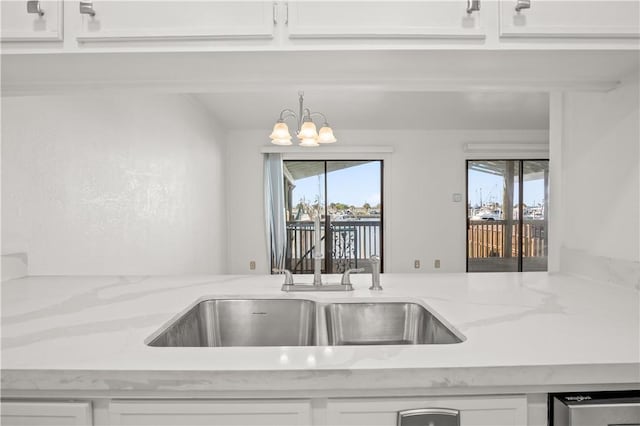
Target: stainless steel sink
(301,322)
(243,322)
(384,323)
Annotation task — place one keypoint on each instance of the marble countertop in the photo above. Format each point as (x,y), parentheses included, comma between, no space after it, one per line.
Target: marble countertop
(530,331)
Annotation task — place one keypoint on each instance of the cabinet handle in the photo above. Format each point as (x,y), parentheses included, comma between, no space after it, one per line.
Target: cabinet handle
(33,6)
(522,4)
(86,8)
(286,13)
(435,416)
(275,13)
(473,6)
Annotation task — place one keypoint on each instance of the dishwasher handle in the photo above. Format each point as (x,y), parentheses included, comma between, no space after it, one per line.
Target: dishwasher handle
(429,417)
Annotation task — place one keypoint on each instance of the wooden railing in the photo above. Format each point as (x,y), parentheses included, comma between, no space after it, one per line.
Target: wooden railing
(351,244)
(489,238)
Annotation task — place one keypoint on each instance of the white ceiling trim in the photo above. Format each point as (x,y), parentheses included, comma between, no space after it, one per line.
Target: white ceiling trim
(35,88)
(329,149)
(483,150)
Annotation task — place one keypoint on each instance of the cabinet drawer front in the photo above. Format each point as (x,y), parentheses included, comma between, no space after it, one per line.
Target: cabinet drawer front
(176,20)
(619,19)
(46,413)
(383,19)
(219,412)
(18,25)
(474,411)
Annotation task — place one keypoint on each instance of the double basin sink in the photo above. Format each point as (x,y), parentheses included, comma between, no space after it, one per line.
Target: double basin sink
(302,322)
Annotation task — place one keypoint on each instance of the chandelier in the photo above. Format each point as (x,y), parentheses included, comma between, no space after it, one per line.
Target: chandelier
(305,127)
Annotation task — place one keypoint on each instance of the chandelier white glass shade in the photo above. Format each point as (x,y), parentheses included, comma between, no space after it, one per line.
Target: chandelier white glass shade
(306,130)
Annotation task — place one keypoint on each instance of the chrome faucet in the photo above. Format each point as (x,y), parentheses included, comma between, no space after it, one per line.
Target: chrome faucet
(289,285)
(346,276)
(375,273)
(288,276)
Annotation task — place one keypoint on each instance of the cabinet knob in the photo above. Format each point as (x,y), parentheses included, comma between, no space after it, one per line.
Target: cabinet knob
(86,8)
(429,417)
(522,4)
(33,6)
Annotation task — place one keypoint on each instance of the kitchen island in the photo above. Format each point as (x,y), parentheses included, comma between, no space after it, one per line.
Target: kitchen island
(524,334)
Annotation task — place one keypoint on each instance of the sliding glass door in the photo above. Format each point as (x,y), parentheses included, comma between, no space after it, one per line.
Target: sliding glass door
(346,197)
(507,202)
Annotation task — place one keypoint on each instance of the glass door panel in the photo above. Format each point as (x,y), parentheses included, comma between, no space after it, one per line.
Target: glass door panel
(354,197)
(535,222)
(493,234)
(304,191)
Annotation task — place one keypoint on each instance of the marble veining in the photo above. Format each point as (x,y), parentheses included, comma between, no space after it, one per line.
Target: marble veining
(87,334)
(607,269)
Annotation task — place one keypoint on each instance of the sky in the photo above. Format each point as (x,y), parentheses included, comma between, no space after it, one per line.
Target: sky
(492,187)
(360,184)
(353,186)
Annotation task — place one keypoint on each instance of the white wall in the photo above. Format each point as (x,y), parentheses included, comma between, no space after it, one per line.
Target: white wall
(421,220)
(113,185)
(600,173)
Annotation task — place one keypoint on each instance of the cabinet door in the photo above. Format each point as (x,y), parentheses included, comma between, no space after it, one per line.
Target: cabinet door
(46,413)
(177,20)
(571,19)
(227,413)
(20,25)
(383,19)
(474,411)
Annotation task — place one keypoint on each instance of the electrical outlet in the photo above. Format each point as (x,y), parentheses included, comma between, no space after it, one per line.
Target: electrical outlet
(252,265)
(436,263)
(416,264)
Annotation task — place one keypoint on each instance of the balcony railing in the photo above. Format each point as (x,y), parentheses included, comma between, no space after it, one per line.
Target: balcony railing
(488,238)
(350,245)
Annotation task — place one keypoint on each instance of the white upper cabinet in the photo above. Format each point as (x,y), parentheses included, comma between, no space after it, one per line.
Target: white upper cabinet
(571,19)
(228,25)
(31,20)
(175,20)
(383,19)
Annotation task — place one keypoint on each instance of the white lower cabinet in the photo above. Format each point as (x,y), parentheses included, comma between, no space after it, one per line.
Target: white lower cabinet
(202,412)
(473,411)
(34,413)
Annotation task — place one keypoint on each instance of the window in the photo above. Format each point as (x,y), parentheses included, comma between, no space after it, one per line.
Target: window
(347,196)
(507,221)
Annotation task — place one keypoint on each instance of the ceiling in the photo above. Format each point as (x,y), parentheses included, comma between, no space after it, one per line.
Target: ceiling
(357,109)
(374,70)
(377,89)
(297,170)
(532,169)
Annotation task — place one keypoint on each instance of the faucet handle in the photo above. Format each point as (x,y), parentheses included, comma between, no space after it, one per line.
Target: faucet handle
(288,276)
(345,276)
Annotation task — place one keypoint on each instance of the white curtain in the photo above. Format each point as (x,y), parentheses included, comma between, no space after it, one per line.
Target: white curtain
(276,226)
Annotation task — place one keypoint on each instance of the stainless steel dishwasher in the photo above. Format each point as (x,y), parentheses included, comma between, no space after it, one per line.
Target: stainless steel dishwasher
(611,408)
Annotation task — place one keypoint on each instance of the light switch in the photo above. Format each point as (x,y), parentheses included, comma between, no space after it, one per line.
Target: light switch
(456,197)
